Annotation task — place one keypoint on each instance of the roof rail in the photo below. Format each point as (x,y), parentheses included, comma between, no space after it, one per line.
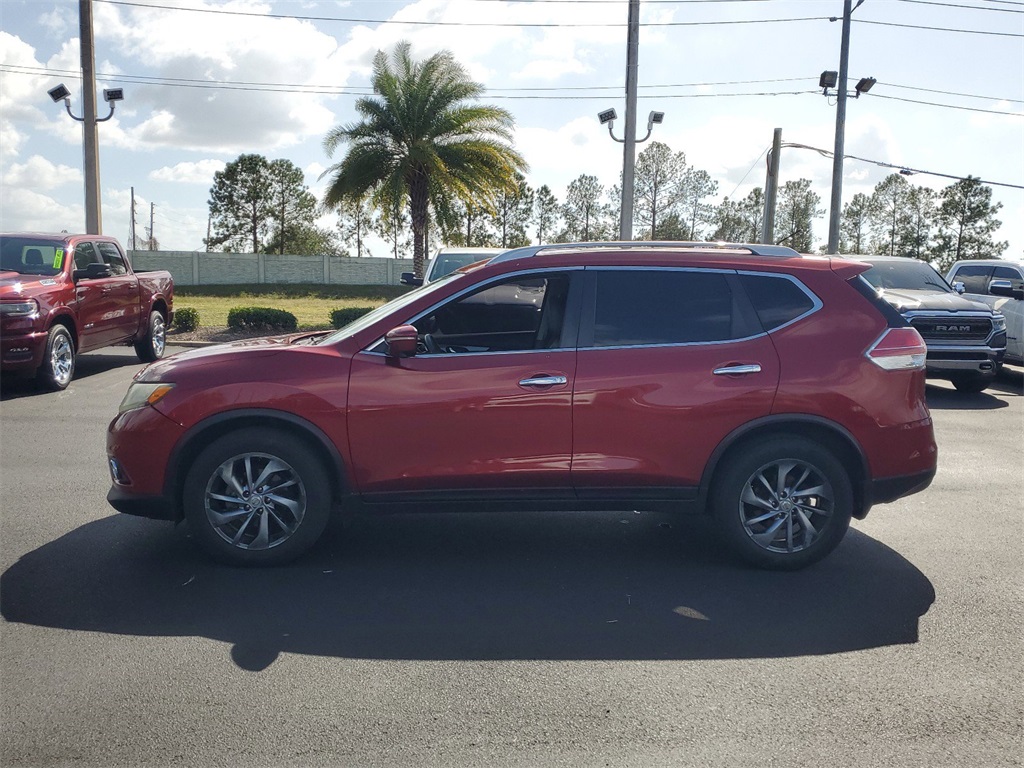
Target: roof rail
(757,249)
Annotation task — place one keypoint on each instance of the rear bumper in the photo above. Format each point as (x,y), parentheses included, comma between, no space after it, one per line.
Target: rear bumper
(885,489)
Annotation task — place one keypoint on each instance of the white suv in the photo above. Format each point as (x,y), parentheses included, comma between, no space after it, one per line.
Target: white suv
(447,260)
(1000,284)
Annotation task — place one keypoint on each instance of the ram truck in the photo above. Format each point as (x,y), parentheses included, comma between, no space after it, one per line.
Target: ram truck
(61,295)
(966,339)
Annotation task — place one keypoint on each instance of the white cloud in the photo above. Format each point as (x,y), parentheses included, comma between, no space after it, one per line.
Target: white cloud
(23,210)
(200,172)
(39,174)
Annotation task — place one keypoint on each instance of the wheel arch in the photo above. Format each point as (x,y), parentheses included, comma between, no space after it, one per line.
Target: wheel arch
(208,430)
(829,434)
(68,321)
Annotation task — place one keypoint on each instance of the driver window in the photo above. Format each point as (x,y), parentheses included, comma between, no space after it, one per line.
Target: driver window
(113,259)
(84,255)
(519,314)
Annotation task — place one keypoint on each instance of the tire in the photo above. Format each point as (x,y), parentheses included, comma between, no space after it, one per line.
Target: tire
(762,508)
(240,524)
(151,346)
(971,382)
(58,366)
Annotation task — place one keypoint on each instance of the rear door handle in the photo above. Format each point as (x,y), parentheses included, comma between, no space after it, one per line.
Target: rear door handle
(733,370)
(543,381)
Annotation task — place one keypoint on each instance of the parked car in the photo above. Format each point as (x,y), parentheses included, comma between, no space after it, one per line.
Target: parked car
(775,391)
(966,339)
(447,260)
(65,294)
(998,283)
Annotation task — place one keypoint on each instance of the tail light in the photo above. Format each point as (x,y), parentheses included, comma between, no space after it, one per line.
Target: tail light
(898,349)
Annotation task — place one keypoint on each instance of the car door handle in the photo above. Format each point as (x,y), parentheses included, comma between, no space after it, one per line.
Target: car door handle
(543,381)
(733,370)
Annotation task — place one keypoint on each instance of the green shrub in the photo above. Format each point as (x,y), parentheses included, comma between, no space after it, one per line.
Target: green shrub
(342,317)
(186,319)
(261,318)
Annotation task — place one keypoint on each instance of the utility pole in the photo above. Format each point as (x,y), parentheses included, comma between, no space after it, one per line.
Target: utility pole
(151,207)
(629,145)
(771,189)
(836,208)
(93,216)
(131,224)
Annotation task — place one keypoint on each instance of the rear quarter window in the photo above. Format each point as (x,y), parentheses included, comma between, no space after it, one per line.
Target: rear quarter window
(776,299)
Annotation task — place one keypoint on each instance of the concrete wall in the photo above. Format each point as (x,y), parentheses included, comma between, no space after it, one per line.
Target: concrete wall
(200,268)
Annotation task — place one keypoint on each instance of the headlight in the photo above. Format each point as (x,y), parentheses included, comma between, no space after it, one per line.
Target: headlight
(998,323)
(140,395)
(19,308)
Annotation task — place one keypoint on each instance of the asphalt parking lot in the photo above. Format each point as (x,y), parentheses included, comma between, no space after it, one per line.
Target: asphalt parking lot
(613,639)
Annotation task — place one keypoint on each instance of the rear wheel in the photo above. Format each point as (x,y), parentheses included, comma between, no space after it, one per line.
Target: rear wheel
(257,497)
(151,346)
(783,503)
(58,366)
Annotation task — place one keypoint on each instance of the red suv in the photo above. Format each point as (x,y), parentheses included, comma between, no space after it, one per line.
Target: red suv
(776,391)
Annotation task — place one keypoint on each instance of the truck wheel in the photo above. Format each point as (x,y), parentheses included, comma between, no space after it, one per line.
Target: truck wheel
(971,383)
(151,346)
(782,503)
(257,497)
(58,365)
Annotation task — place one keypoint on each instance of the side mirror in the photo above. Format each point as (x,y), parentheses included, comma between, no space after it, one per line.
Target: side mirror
(402,341)
(91,272)
(959,287)
(409,278)
(1000,287)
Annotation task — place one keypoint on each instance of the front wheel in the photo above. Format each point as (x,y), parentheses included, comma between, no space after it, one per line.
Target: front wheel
(58,366)
(973,382)
(151,346)
(257,497)
(783,503)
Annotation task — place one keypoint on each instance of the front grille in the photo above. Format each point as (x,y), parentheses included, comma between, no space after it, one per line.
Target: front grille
(953,328)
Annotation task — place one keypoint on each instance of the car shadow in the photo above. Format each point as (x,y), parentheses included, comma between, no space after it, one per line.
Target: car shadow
(13,386)
(941,397)
(474,587)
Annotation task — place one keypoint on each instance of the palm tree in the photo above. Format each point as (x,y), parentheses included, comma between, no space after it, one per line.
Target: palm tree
(421,137)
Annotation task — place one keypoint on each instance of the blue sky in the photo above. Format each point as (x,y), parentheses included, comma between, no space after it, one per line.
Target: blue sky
(202,87)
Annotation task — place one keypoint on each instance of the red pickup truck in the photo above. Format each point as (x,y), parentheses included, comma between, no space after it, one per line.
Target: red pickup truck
(65,294)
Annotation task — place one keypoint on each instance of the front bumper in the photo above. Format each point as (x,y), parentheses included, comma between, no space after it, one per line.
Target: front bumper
(22,351)
(153,507)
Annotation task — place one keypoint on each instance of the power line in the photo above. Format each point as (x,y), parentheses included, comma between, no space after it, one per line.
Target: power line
(947,106)
(956,5)
(883,164)
(544,25)
(356,90)
(937,29)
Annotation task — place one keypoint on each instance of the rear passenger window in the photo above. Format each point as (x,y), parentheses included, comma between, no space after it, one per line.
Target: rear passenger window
(777,300)
(974,277)
(635,307)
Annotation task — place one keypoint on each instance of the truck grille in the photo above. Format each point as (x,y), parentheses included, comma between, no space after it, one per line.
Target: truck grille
(953,328)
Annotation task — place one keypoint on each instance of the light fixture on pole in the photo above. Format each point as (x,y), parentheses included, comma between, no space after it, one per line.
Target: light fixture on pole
(110,95)
(609,116)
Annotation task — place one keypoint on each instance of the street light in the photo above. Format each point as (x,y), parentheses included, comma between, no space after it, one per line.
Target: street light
(609,116)
(110,95)
(864,85)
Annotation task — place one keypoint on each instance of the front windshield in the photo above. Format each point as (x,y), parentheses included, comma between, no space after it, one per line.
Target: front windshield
(392,306)
(908,275)
(31,255)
